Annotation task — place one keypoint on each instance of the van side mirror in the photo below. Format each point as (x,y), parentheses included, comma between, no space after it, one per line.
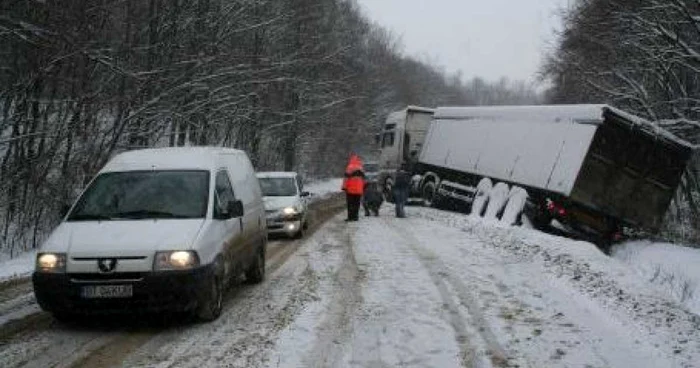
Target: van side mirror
(63,212)
(305,194)
(235,209)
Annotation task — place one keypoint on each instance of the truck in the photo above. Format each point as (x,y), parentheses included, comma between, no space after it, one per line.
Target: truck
(593,168)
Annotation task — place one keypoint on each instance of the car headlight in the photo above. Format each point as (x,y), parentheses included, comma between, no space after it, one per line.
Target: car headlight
(51,262)
(289,211)
(175,260)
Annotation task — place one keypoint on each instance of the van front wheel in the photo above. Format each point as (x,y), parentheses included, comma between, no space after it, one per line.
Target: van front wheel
(210,308)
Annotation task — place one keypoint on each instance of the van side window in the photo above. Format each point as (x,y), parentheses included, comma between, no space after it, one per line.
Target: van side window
(388,139)
(223,193)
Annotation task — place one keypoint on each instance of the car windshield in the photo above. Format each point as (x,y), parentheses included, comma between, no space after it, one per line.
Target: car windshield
(144,195)
(278,187)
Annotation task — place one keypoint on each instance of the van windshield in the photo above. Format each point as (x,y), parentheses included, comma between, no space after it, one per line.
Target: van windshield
(137,195)
(278,187)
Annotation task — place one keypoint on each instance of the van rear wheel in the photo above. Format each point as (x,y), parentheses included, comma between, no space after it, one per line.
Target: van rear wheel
(256,272)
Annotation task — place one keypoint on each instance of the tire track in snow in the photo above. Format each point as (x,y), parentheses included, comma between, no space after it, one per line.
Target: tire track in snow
(445,281)
(336,329)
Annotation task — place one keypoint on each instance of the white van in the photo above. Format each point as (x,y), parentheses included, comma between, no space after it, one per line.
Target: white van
(157,229)
(285,203)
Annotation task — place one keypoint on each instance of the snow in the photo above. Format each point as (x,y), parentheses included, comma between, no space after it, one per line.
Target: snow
(498,196)
(516,202)
(179,158)
(675,268)
(481,197)
(20,266)
(320,189)
(276,174)
(549,114)
(436,289)
(445,290)
(649,126)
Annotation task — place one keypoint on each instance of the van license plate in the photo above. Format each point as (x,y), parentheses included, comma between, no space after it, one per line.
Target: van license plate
(107,291)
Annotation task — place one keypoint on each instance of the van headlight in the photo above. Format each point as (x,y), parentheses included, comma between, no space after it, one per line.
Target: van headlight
(51,262)
(175,260)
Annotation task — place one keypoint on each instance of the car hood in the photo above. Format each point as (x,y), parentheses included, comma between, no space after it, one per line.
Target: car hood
(278,203)
(123,238)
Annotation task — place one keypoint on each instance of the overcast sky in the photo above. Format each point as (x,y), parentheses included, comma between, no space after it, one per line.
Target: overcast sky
(487,38)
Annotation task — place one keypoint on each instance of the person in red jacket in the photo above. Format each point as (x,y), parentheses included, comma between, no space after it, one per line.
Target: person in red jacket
(354,185)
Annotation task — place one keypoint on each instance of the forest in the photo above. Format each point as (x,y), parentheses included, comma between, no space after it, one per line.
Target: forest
(298,84)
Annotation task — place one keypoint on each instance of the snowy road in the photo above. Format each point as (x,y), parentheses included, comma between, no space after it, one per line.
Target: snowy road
(434,290)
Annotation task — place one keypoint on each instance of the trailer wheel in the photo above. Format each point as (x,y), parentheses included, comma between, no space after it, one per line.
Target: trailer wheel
(512,214)
(429,194)
(497,201)
(481,197)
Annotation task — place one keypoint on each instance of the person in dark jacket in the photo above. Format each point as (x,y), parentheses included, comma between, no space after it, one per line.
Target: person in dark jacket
(354,185)
(402,185)
(372,199)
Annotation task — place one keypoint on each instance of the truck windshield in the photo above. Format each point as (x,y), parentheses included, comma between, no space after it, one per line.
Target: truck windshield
(371,167)
(137,195)
(278,187)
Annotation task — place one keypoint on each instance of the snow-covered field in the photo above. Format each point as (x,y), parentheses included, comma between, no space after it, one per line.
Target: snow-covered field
(20,266)
(323,188)
(674,268)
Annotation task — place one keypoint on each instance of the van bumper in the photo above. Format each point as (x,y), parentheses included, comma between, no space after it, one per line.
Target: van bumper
(173,291)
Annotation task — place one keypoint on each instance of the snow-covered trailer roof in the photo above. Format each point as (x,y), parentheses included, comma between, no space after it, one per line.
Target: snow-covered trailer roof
(538,146)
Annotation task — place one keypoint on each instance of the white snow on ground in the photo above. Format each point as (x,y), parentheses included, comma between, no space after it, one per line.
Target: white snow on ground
(323,188)
(20,266)
(675,268)
(437,289)
(446,290)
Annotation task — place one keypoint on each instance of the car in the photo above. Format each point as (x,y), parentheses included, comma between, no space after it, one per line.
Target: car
(156,230)
(286,204)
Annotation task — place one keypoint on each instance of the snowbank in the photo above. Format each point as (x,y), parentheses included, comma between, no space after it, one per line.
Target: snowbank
(20,266)
(673,267)
(612,287)
(323,188)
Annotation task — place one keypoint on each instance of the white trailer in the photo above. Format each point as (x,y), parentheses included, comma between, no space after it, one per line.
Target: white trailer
(593,167)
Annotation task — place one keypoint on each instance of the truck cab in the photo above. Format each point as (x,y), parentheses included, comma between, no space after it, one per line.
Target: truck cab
(401,140)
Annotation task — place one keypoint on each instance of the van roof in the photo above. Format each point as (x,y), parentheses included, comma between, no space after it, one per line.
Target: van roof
(171,158)
(277,174)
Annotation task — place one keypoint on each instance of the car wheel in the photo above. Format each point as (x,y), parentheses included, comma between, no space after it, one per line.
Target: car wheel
(300,233)
(256,272)
(210,309)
